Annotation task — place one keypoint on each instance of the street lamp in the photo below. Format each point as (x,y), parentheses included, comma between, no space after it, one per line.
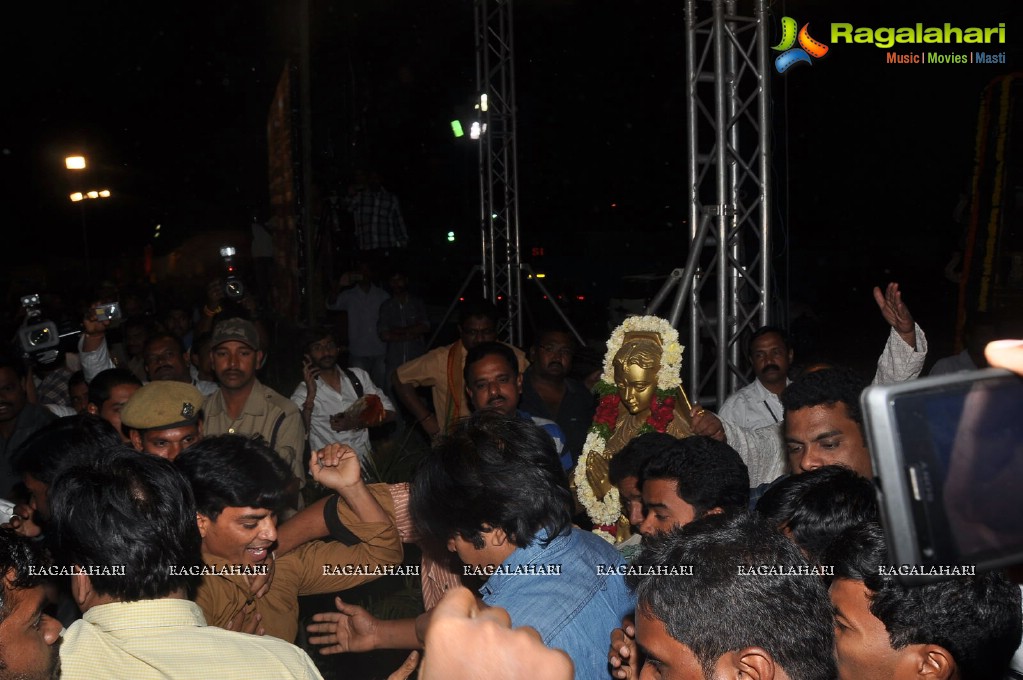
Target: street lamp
(77,164)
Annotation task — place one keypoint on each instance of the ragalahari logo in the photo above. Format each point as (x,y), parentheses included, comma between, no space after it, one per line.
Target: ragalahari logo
(808,50)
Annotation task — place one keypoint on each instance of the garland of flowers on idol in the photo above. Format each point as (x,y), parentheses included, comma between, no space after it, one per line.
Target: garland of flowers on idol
(605,512)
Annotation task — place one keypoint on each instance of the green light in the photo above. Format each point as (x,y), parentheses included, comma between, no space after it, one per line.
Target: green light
(456,127)
(451,237)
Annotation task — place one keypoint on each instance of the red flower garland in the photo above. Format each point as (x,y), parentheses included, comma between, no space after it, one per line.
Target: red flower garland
(661,413)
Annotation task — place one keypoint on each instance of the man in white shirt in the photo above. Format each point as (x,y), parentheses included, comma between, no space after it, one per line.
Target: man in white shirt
(328,391)
(361,304)
(757,405)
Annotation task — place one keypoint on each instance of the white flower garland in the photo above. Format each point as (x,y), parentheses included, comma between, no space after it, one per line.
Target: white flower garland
(670,374)
(601,512)
(607,511)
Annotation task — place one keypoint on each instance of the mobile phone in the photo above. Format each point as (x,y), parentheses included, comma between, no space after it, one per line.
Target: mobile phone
(948,457)
(109,311)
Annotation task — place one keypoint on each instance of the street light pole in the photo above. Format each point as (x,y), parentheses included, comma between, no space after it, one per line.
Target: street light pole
(78,164)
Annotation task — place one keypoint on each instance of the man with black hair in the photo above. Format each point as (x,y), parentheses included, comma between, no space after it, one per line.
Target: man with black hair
(493,493)
(164,356)
(493,382)
(549,392)
(963,628)
(109,391)
(18,419)
(441,370)
(329,391)
(240,486)
(29,639)
(812,508)
(65,440)
(78,392)
(771,355)
(689,478)
(723,618)
(756,405)
(627,466)
(823,423)
(125,524)
(679,481)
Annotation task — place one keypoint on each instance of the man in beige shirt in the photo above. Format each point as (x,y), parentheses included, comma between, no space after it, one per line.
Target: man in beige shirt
(245,406)
(124,527)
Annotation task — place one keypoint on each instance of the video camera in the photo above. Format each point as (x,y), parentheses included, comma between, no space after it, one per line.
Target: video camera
(234,289)
(38,338)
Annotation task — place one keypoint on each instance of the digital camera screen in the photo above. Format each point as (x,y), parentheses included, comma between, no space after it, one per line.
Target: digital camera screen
(963,449)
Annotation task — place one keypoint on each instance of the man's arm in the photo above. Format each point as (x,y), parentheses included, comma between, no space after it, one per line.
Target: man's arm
(290,444)
(336,466)
(92,346)
(906,350)
(365,531)
(406,393)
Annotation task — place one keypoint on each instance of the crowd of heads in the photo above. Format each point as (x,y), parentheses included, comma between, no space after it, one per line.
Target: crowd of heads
(792,588)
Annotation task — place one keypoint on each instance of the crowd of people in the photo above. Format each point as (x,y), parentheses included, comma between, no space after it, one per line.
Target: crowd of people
(169,507)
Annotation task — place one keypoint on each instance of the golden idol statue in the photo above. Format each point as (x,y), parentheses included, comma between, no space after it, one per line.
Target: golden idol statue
(641,391)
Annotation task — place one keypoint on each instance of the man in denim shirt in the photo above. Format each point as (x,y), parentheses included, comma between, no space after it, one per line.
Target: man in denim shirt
(495,493)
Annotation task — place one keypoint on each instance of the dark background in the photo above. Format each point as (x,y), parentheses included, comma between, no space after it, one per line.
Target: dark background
(169,103)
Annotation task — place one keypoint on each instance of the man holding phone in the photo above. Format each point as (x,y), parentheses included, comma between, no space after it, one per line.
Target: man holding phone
(338,404)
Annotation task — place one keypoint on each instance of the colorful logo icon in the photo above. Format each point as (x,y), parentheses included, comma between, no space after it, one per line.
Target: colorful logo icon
(808,50)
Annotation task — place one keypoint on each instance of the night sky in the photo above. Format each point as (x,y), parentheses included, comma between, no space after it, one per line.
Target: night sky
(169,102)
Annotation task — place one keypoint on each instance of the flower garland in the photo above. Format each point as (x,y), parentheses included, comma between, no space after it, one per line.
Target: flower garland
(670,374)
(606,512)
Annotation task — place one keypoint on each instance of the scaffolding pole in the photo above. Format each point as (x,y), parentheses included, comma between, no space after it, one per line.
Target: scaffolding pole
(499,201)
(728,271)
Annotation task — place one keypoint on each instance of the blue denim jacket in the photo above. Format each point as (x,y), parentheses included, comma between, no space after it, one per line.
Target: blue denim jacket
(574,610)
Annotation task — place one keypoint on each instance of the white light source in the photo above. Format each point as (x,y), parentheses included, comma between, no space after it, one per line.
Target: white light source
(474,130)
(75,162)
(104,193)
(92,194)
(483,102)
(77,196)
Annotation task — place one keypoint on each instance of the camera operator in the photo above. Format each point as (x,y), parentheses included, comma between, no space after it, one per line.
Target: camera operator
(163,355)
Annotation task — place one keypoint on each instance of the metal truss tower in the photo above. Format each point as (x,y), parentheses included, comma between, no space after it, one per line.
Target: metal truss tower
(726,281)
(499,200)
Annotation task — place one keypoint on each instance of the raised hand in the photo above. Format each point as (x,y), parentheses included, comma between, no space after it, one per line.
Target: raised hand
(335,466)
(896,313)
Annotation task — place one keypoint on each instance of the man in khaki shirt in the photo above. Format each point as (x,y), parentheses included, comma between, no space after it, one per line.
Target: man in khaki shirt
(245,406)
(239,485)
